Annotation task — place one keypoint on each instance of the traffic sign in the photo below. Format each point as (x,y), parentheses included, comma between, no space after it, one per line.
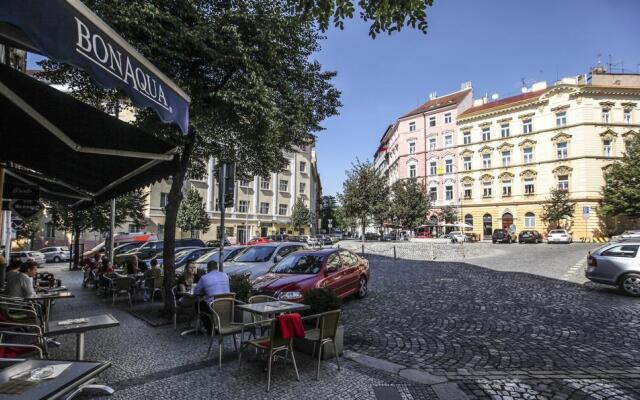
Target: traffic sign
(26,208)
(330,226)
(585,212)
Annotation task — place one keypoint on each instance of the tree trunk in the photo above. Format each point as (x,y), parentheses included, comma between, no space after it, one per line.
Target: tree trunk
(364,225)
(76,246)
(171,216)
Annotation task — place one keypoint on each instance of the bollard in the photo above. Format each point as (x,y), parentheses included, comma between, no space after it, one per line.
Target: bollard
(363,250)
(394,253)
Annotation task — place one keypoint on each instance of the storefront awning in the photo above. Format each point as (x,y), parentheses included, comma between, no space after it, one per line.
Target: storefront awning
(69,32)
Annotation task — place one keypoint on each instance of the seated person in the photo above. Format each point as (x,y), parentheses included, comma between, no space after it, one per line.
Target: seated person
(104,269)
(13,268)
(150,275)
(132,265)
(188,279)
(211,284)
(21,284)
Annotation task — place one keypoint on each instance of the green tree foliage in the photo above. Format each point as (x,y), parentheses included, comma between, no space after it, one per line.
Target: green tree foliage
(328,206)
(409,204)
(558,207)
(300,214)
(192,215)
(29,228)
(365,195)
(448,214)
(621,192)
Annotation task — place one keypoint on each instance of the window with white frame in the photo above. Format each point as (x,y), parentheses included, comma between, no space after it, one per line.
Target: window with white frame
(433,168)
(605,115)
(432,144)
(243,206)
(529,220)
(432,121)
(164,200)
(626,116)
(412,171)
(282,209)
(506,187)
(504,130)
(466,137)
(527,155)
(447,118)
(284,185)
(561,118)
(467,190)
(245,183)
(506,158)
(264,208)
(303,187)
(466,162)
(412,126)
(433,193)
(561,150)
(529,187)
(486,189)
(606,148)
(303,166)
(448,192)
(527,125)
(412,147)
(448,141)
(486,133)
(265,184)
(448,166)
(563,182)
(486,161)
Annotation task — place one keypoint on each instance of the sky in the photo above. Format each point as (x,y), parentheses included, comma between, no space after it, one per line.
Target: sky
(495,44)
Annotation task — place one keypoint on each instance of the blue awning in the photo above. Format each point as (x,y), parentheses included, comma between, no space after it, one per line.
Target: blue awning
(69,32)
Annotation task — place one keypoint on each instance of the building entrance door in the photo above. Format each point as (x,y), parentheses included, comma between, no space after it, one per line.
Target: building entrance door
(242,234)
(507,220)
(263,231)
(487,226)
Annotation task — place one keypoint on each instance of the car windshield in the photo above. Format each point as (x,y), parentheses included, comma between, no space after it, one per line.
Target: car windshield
(299,264)
(212,255)
(182,254)
(256,254)
(557,231)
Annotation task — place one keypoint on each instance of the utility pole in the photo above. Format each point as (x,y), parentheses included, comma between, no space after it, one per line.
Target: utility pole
(221,191)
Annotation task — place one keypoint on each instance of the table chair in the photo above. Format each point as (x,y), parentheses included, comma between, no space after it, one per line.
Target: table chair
(324,333)
(222,317)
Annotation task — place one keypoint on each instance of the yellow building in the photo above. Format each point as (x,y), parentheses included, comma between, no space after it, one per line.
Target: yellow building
(515,150)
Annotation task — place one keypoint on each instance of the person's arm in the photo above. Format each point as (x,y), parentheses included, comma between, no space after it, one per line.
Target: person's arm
(200,287)
(27,287)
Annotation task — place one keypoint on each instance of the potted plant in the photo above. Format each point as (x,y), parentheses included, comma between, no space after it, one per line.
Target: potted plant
(241,286)
(321,300)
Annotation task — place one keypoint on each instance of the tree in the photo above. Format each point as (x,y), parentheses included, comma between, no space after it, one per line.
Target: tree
(365,193)
(192,215)
(29,227)
(328,206)
(621,192)
(448,214)
(409,203)
(300,214)
(558,207)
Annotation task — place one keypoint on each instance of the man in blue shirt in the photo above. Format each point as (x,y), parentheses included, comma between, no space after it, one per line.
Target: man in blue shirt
(211,284)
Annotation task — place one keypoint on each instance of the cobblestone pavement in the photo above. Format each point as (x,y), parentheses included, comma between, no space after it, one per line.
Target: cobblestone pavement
(500,334)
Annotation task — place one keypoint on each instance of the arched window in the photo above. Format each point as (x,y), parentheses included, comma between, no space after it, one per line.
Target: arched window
(529,220)
(468,219)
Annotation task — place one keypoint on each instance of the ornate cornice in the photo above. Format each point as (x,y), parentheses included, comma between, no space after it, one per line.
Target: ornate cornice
(466,152)
(628,105)
(503,120)
(486,178)
(485,149)
(561,137)
(607,104)
(504,175)
(465,129)
(562,170)
(609,134)
(467,179)
(492,112)
(527,115)
(484,124)
(505,145)
(630,132)
(529,173)
(527,142)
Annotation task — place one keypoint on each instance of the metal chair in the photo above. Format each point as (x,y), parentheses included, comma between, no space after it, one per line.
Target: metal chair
(21,350)
(222,316)
(122,285)
(260,321)
(324,333)
(188,306)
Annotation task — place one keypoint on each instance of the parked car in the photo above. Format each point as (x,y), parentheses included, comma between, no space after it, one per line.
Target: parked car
(626,235)
(256,260)
(389,237)
(341,270)
(559,236)
(502,236)
(324,240)
(338,236)
(150,249)
(56,253)
(278,238)
(258,240)
(24,256)
(371,236)
(138,238)
(126,248)
(216,243)
(616,264)
(183,255)
(458,237)
(229,253)
(530,237)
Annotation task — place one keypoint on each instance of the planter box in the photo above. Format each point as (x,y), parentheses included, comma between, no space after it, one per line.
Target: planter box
(306,346)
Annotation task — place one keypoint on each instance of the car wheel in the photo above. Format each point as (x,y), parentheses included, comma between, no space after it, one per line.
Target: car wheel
(362,287)
(630,284)
(56,259)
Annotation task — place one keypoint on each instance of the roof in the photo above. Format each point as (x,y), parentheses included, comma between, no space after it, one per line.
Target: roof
(440,102)
(502,103)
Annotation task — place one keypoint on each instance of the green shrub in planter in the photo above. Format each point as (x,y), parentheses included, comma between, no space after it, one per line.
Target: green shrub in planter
(321,300)
(241,286)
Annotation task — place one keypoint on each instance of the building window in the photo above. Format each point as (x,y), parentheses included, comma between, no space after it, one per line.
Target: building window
(447,118)
(506,158)
(626,116)
(563,182)
(467,163)
(561,118)
(284,185)
(486,189)
(264,208)
(265,184)
(134,228)
(303,187)
(528,155)
(433,193)
(432,144)
(527,126)
(448,166)
(486,134)
(466,137)
(244,183)
(468,219)
(529,187)
(282,209)
(562,150)
(504,130)
(412,171)
(448,192)
(243,206)
(49,230)
(164,200)
(486,161)
(529,220)
(432,121)
(506,188)
(448,141)
(467,191)
(605,116)
(412,147)
(433,168)
(412,126)
(303,166)
(606,147)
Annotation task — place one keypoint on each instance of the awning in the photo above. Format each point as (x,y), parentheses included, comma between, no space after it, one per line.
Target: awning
(73,150)
(69,32)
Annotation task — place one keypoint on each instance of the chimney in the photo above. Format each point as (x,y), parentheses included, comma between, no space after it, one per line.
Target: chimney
(433,95)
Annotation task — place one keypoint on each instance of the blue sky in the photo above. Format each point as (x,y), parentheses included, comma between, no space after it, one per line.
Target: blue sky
(492,43)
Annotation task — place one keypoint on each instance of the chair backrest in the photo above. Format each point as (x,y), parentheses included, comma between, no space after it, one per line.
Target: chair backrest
(224,296)
(175,299)
(261,298)
(158,281)
(275,335)
(329,324)
(223,308)
(123,283)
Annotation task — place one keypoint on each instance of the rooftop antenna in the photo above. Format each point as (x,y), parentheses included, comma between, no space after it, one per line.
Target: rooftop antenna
(598,61)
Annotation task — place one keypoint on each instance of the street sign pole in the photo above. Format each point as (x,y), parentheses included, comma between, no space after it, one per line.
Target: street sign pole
(222,176)
(112,229)
(585,215)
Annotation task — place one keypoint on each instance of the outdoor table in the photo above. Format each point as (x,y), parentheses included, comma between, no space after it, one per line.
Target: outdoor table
(270,308)
(48,297)
(78,376)
(95,322)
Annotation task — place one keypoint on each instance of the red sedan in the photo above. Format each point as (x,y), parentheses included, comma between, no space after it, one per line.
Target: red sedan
(339,269)
(258,241)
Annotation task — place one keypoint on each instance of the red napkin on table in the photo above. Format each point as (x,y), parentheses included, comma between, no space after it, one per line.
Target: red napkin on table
(291,326)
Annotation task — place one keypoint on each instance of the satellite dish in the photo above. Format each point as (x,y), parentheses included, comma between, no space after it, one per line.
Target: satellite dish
(523,90)
(495,96)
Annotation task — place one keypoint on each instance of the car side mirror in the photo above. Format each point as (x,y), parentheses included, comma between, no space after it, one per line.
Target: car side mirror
(277,259)
(330,269)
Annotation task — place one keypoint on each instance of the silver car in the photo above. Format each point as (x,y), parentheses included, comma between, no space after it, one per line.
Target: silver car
(626,235)
(559,236)
(56,254)
(24,256)
(201,263)
(256,260)
(616,264)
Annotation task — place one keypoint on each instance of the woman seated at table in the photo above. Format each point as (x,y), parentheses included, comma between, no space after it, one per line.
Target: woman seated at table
(132,265)
(104,269)
(187,281)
